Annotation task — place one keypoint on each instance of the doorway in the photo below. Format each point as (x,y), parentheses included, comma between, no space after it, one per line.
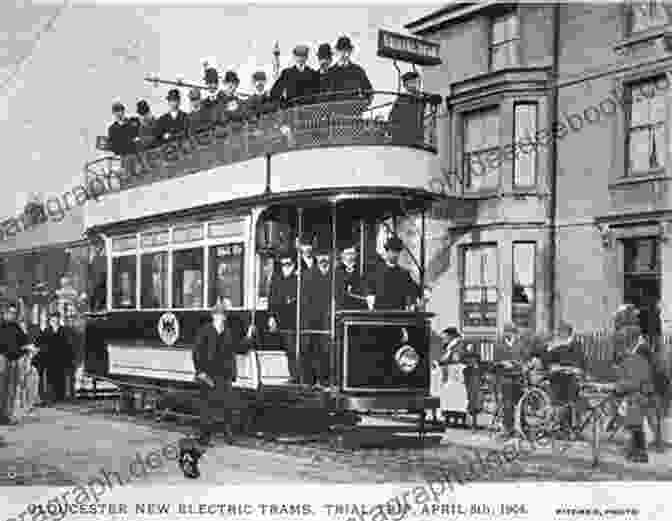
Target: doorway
(642,281)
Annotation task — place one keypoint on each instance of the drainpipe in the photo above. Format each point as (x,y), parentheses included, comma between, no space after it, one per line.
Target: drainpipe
(553,173)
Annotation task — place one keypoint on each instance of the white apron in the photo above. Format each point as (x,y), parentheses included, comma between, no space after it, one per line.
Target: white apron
(453,393)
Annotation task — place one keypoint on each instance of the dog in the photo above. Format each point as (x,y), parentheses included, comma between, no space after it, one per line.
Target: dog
(191,451)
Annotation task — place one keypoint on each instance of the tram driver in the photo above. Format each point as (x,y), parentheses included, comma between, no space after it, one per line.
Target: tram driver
(390,286)
(349,285)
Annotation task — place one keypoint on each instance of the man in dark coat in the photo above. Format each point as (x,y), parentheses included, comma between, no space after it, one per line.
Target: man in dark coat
(214,356)
(349,77)
(349,285)
(60,356)
(407,114)
(390,286)
(317,297)
(146,137)
(325,71)
(296,84)
(13,342)
(122,133)
(260,102)
(173,124)
(199,117)
(231,106)
(214,97)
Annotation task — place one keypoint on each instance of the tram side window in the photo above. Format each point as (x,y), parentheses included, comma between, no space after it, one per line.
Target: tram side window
(123,272)
(154,280)
(188,278)
(226,274)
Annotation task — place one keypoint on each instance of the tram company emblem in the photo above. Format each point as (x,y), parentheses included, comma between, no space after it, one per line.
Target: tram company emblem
(169,328)
(407,358)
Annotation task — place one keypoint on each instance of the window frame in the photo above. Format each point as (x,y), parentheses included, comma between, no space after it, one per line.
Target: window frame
(211,273)
(533,152)
(629,88)
(134,289)
(467,176)
(484,289)
(630,16)
(492,45)
(533,287)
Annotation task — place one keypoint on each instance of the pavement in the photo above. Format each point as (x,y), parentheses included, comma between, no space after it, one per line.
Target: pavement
(75,443)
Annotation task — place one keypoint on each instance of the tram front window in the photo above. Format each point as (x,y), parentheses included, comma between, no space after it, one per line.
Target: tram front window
(123,272)
(188,278)
(226,274)
(154,280)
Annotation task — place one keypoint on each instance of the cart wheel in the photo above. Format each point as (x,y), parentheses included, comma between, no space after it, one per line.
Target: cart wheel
(534,415)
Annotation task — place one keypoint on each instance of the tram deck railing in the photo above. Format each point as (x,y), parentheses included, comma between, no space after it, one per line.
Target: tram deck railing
(341,119)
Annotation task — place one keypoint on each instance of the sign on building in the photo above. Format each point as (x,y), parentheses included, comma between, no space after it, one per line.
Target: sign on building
(408,48)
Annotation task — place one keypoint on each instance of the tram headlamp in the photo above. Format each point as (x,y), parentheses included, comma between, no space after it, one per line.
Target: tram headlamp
(407,359)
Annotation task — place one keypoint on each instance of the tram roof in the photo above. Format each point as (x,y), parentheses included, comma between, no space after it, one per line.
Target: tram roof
(408,199)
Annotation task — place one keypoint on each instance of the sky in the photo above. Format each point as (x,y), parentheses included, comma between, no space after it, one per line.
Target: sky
(62,64)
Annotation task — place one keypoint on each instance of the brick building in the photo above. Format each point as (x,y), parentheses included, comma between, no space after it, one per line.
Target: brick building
(569,217)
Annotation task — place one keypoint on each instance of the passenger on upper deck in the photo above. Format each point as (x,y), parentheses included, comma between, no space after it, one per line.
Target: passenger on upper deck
(348,76)
(326,70)
(349,281)
(122,133)
(146,137)
(390,286)
(407,114)
(199,117)
(260,102)
(298,83)
(214,96)
(231,107)
(173,124)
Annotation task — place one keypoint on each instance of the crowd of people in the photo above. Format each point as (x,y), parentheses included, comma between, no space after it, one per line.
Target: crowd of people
(386,286)
(296,85)
(642,381)
(37,363)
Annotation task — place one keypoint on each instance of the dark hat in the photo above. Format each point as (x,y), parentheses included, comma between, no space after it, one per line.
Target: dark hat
(451,331)
(231,77)
(173,94)
(410,75)
(259,76)
(287,254)
(322,251)
(324,51)
(195,94)
(349,246)
(394,243)
(55,314)
(142,107)
(343,44)
(301,50)
(211,75)
(306,238)
(117,106)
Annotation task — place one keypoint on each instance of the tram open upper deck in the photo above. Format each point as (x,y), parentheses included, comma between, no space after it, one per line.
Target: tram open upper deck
(207,218)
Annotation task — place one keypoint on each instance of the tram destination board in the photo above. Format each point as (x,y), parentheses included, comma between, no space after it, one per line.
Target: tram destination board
(408,49)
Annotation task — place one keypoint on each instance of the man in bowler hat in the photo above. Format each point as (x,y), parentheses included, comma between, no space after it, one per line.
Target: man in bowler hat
(347,76)
(325,70)
(59,356)
(390,286)
(173,124)
(296,84)
(260,102)
(214,356)
(146,126)
(231,109)
(199,117)
(214,96)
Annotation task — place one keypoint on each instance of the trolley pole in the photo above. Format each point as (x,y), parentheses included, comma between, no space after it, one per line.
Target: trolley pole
(299,362)
(333,358)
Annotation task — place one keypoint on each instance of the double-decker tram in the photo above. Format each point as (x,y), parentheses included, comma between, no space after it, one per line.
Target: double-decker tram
(285,219)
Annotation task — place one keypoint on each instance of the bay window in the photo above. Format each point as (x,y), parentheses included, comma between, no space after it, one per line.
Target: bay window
(479,286)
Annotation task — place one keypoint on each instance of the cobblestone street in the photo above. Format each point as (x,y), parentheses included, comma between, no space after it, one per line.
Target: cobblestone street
(71,444)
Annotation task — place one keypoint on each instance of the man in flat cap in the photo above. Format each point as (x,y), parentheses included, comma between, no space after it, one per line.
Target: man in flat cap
(199,117)
(296,84)
(174,123)
(146,126)
(122,132)
(214,357)
(325,59)
(407,114)
(391,286)
(260,102)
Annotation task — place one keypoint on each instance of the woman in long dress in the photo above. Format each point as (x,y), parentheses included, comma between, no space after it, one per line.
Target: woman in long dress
(453,397)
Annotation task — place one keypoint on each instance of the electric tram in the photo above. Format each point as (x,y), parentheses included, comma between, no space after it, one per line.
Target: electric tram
(210,225)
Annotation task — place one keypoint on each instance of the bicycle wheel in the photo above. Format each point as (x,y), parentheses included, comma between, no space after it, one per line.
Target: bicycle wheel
(534,415)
